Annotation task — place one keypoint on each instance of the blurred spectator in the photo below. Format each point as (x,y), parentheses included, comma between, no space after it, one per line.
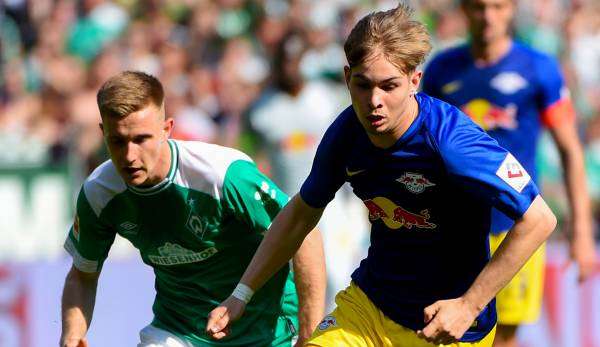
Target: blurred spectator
(215,58)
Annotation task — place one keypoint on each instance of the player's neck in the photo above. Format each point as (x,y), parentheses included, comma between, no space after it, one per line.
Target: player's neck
(489,53)
(162,167)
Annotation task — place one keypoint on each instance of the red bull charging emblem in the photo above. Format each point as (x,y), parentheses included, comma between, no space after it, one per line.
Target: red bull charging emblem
(396,217)
(489,116)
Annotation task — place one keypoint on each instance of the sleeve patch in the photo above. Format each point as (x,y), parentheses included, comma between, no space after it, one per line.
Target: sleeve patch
(560,112)
(511,172)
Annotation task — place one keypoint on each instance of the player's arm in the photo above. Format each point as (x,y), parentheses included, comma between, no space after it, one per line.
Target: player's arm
(88,242)
(311,282)
(78,298)
(558,115)
(476,163)
(582,246)
(449,319)
(281,242)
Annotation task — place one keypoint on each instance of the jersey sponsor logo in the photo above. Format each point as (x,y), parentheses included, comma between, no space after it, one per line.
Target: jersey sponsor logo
(508,82)
(128,228)
(415,182)
(174,254)
(350,173)
(489,116)
(451,87)
(76,228)
(396,217)
(327,322)
(511,172)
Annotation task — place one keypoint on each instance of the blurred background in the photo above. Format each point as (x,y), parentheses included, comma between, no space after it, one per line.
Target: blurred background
(264,76)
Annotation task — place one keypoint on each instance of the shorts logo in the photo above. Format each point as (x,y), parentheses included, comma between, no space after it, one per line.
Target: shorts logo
(328,321)
(415,182)
(174,254)
(511,172)
(396,217)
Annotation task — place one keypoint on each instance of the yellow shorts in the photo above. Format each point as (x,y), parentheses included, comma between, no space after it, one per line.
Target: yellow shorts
(521,300)
(357,322)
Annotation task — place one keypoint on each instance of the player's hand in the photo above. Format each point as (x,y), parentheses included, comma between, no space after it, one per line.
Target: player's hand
(219,319)
(74,342)
(582,250)
(447,321)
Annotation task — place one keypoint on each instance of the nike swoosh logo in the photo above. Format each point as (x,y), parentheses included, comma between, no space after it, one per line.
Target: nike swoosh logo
(352,173)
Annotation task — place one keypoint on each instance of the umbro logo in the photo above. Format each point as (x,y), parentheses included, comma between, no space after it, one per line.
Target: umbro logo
(128,227)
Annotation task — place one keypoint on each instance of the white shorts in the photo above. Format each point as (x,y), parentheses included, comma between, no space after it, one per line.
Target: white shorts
(152,336)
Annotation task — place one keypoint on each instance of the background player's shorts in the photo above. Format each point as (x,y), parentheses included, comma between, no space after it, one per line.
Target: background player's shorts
(521,300)
(152,336)
(357,322)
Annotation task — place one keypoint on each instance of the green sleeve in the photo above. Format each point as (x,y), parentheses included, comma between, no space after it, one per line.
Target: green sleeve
(252,197)
(89,239)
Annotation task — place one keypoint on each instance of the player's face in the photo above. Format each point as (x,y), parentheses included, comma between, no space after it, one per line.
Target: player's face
(489,20)
(138,145)
(381,94)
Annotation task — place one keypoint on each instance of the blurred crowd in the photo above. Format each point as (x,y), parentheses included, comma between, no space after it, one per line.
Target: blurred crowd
(236,72)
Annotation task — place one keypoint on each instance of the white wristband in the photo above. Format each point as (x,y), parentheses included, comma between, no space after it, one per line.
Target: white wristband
(243,292)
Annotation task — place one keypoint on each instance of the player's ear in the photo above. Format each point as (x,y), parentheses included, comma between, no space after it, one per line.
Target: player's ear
(101,126)
(415,79)
(168,127)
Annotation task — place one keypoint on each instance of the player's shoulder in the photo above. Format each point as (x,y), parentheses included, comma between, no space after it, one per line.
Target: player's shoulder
(442,120)
(203,166)
(537,59)
(102,185)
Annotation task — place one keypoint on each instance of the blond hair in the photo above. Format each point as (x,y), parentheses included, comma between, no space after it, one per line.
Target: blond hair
(402,40)
(128,92)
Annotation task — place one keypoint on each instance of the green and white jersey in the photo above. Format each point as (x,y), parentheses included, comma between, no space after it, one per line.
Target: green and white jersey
(198,229)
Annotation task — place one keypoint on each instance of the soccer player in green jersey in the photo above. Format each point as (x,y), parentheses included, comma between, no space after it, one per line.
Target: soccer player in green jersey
(196,212)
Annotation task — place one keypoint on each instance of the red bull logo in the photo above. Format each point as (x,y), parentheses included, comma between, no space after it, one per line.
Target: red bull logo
(489,116)
(396,217)
(415,182)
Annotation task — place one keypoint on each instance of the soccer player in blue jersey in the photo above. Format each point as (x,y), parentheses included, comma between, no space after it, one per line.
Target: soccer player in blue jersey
(429,178)
(512,92)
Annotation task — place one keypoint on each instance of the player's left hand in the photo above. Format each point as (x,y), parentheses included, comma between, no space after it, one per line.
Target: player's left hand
(219,319)
(447,321)
(582,250)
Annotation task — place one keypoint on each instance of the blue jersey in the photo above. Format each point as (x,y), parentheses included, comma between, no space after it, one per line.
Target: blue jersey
(512,99)
(429,198)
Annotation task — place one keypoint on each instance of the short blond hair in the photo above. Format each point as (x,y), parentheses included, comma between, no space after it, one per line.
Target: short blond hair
(128,92)
(404,41)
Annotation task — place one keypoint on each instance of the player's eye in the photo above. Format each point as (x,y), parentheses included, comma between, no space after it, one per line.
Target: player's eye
(389,87)
(140,139)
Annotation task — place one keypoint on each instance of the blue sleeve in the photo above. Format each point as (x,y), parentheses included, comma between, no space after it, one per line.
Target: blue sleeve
(476,162)
(327,174)
(550,82)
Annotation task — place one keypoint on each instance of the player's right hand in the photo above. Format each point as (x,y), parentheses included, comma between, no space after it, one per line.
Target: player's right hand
(74,342)
(219,319)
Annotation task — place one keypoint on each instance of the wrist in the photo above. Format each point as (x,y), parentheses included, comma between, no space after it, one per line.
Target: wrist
(243,292)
